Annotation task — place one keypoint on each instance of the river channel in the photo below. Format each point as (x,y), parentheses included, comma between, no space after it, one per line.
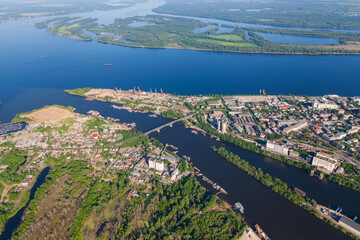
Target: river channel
(15,221)
(279,218)
(29,81)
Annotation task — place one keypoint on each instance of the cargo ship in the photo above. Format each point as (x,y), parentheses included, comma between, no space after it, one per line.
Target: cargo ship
(261,233)
(238,206)
(299,191)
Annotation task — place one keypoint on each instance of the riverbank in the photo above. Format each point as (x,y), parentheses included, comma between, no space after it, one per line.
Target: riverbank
(281,188)
(158,103)
(353,49)
(190,125)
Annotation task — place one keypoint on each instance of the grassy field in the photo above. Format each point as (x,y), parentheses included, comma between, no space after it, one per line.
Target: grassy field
(234,38)
(224,43)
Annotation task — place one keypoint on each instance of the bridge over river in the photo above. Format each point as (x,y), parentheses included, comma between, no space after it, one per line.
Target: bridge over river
(158,129)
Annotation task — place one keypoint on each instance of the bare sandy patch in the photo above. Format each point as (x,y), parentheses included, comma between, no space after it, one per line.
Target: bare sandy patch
(249,234)
(355,46)
(51,115)
(34,14)
(100,93)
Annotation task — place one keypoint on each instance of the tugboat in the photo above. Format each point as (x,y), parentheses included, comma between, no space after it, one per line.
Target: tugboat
(238,206)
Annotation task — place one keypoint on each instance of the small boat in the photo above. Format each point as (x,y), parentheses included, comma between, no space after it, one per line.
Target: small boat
(107,64)
(238,206)
(218,139)
(153,115)
(355,218)
(339,209)
(43,56)
(194,132)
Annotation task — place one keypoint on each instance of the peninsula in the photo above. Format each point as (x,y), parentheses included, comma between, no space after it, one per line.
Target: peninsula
(318,134)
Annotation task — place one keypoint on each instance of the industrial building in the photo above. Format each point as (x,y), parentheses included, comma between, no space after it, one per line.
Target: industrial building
(324,105)
(295,127)
(214,103)
(273,147)
(323,161)
(349,224)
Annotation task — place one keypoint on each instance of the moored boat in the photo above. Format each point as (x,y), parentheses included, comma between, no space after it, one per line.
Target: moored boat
(238,206)
(260,232)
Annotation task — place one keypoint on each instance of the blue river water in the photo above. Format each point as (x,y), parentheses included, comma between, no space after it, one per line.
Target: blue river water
(175,71)
(35,68)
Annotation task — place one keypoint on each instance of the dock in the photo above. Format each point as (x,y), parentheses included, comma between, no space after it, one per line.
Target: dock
(7,128)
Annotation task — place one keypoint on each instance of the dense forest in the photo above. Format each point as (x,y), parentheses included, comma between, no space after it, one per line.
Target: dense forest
(75,203)
(93,209)
(311,14)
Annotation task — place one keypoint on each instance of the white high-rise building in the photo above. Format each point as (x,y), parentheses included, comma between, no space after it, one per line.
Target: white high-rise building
(158,165)
(222,125)
(152,163)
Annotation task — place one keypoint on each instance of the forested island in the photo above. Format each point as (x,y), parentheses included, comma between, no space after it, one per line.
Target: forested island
(341,14)
(181,33)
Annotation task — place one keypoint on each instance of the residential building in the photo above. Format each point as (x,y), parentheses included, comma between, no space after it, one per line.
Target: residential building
(158,165)
(222,125)
(354,129)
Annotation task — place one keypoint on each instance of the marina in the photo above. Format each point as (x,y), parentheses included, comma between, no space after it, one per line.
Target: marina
(7,128)
(212,183)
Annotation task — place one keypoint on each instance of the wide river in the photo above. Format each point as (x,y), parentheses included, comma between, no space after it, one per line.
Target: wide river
(29,81)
